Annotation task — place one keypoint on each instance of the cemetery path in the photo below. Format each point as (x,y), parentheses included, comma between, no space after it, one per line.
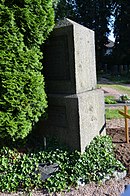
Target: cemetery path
(111,92)
(108,90)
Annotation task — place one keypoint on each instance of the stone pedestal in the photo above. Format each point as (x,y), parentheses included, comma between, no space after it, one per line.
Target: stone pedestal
(75,119)
(76,107)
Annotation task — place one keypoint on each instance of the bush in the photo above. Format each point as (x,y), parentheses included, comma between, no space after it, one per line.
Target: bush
(110,100)
(34,19)
(18,170)
(25,25)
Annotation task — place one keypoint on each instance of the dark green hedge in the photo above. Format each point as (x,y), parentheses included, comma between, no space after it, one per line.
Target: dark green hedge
(25,25)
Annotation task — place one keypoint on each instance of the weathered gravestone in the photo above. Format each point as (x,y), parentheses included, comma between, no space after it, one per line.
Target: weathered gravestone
(76,106)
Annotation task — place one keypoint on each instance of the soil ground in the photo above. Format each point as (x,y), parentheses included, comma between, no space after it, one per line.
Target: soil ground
(122,149)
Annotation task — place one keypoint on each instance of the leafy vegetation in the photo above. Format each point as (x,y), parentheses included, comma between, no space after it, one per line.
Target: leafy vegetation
(24,27)
(110,100)
(124,98)
(98,160)
(19,170)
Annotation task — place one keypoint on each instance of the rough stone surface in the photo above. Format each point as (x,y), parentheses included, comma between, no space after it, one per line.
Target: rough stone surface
(76,108)
(85,68)
(70,59)
(91,112)
(75,119)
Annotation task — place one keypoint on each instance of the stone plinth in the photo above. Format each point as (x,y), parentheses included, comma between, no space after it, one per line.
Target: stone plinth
(75,119)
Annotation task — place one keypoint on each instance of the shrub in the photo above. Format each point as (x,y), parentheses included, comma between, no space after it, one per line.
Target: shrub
(124,98)
(110,100)
(34,18)
(18,170)
(25,25)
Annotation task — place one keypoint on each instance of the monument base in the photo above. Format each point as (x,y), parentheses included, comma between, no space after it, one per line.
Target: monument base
(75,119)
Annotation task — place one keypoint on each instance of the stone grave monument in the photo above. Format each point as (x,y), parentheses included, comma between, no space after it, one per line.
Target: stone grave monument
(75,105)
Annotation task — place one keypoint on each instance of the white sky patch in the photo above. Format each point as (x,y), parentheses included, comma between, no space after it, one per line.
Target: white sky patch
(111,37)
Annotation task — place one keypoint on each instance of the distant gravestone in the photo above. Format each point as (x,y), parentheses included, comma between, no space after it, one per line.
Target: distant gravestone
(75,105)
(121,69)
(115,70)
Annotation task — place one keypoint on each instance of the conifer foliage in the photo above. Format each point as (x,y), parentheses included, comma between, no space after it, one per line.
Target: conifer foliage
(25,24)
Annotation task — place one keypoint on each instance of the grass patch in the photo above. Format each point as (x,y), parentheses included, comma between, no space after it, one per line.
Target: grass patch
(113,113)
